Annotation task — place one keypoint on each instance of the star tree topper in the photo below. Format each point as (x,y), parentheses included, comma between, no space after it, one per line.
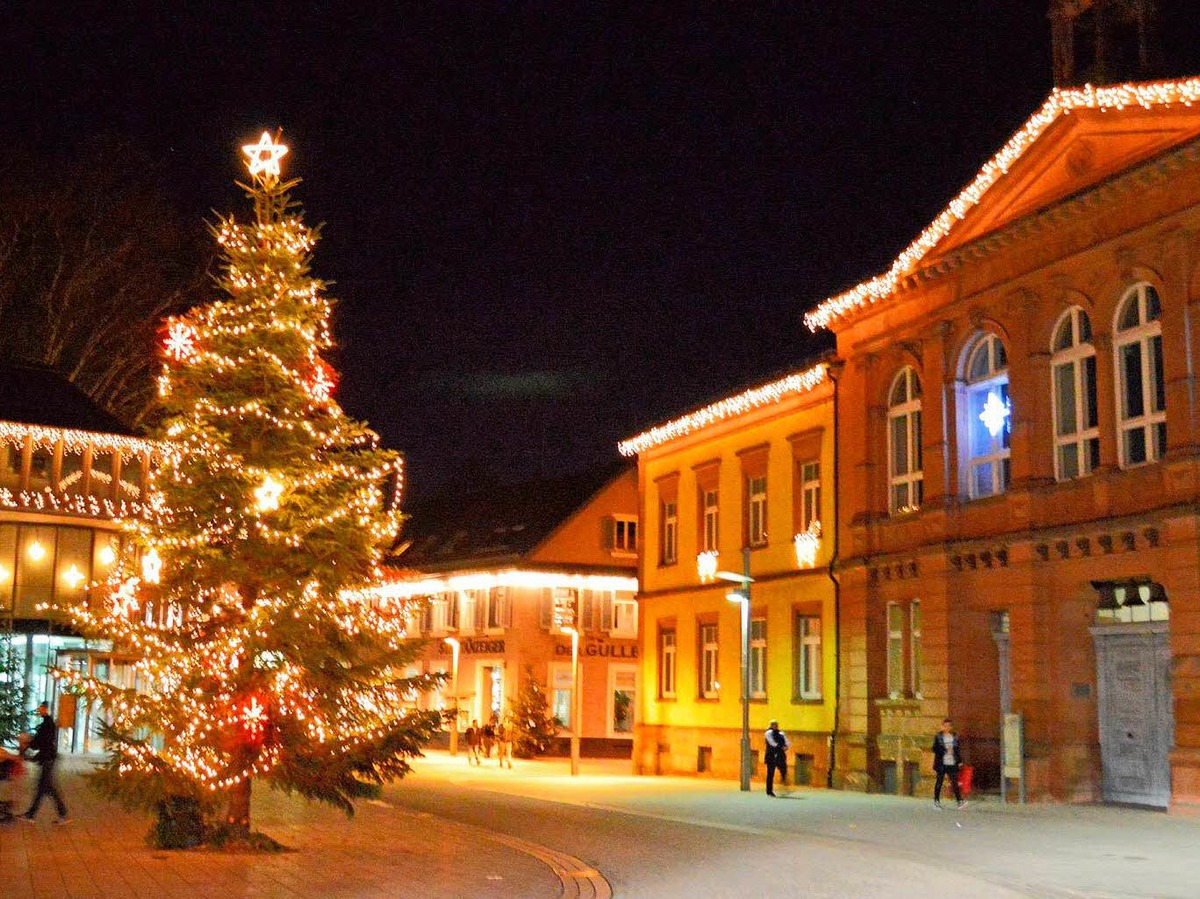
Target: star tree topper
(263,157)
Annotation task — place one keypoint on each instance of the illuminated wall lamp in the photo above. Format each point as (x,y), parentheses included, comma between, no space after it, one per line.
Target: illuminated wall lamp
(36,551)
(73,577)
(807,544)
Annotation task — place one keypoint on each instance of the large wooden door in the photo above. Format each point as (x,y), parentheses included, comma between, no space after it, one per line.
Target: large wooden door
(1133,680)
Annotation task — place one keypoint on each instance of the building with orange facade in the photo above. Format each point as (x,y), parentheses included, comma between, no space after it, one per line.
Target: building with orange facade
(1019,445)
(738,487)
(493,578)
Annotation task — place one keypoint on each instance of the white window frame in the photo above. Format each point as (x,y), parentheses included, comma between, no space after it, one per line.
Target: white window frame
(670,532)
(710,659)
(624,616)
(810,494)
(905,409)
(756,510)
(1073,357)
(625,535)
(710,500)
(808,656)
(758,657)
(668,662)
(1143,334)
(439,612)
(560,673)
(498,615)
(615,671)
(993,382)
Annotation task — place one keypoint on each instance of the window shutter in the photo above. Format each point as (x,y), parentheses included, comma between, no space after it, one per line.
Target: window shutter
(606,613)
(454,610)
(427,614)
(480,610)
(506,612)
(608,532)
(589,610)
(546,609)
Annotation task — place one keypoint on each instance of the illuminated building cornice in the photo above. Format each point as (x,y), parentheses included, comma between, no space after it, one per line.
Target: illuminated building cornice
(83,505)
(16,433)
(1061,102)
(402,589)
(730,407)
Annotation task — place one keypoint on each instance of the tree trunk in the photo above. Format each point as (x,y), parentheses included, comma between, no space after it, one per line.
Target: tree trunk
(237,815)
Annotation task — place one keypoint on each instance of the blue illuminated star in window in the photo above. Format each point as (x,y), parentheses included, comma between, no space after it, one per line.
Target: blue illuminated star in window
(995,414)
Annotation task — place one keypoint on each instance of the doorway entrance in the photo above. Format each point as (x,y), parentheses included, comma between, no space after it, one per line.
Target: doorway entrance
(1133,686)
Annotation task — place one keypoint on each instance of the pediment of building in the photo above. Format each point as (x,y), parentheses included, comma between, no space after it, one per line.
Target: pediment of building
(1078,152)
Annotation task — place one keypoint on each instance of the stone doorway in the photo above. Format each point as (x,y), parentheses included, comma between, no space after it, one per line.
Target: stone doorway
(1133,681)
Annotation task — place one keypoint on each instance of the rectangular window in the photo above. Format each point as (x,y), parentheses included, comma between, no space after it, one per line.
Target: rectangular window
(565,609)
(808,657)
(709,542)
(499,612)
(666,663)
(709,674)
(560,695)
(623,689)
(895,650)
(625,533)
(670,532)
(904,649)
(624,617)
(810,485)
(756,508)
(758,658)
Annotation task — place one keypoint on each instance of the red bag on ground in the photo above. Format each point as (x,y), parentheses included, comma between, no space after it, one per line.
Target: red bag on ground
(966,777)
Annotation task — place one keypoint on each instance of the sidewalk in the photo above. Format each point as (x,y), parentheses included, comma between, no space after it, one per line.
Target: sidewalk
(381,852)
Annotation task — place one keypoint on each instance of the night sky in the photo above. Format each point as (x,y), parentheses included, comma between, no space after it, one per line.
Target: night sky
(553,224)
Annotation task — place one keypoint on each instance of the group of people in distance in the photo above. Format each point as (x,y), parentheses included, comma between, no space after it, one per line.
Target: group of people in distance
(43,745)
(947,760)
(496,734)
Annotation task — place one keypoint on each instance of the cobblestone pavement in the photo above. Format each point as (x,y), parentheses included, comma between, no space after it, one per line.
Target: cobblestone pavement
(381,852)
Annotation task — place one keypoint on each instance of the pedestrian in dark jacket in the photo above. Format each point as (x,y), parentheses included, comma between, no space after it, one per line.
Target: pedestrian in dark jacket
(45,744)
(776,755)
(947,756)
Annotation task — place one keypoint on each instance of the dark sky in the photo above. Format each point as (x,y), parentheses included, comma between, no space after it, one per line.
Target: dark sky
(553,224)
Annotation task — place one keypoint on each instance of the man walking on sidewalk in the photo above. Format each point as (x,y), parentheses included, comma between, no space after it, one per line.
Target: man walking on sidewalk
(45,743)
(777,747)
(947,756)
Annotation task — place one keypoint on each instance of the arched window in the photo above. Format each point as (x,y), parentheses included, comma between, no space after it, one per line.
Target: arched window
(1073,389)
(1141,397)
(987,424)
(904,443)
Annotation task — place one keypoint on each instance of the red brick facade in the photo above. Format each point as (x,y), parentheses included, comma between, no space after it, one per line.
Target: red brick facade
(1102,209)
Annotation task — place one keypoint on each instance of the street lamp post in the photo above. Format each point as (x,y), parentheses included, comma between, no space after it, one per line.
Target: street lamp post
(743,597)
(454,646)
(576,705)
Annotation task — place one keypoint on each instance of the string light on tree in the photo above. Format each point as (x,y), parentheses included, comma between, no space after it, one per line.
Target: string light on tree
(259,652)
(266,497)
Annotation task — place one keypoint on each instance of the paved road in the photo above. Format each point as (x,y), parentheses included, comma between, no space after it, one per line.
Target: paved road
(683,836)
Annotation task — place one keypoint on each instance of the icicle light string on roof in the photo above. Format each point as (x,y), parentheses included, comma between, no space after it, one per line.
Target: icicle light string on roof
(1059,103)
(776,391)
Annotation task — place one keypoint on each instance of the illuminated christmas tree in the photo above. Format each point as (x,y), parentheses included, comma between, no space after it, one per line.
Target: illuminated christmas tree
(259,658)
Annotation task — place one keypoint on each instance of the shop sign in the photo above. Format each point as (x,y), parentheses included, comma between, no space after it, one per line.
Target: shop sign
(601,649)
